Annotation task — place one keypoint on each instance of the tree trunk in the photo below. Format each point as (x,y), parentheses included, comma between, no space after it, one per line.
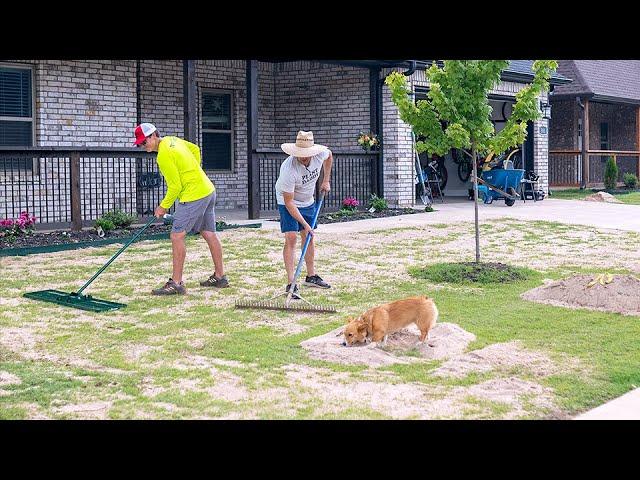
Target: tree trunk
(474,155)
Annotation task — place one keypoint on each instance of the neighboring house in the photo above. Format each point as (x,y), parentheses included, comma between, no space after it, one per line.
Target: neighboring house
(66,129)
(604,97)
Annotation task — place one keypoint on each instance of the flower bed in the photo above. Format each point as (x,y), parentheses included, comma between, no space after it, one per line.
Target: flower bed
(340,216)
(68,240)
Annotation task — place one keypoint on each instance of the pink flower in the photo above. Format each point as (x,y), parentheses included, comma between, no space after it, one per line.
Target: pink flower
(350,202)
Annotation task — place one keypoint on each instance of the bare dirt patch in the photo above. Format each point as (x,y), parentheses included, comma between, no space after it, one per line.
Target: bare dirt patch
(400,400)
(92,410)
(7,378)
(513,391)
(445,340)
(619,296)
(499,356)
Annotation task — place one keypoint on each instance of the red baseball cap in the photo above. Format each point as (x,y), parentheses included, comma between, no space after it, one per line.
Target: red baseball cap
(143,131)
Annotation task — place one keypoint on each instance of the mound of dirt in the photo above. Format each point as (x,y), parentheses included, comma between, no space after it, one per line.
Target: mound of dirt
(445,340)
(602,197)
(619,296)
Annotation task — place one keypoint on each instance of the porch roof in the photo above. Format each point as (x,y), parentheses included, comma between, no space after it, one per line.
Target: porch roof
(609,81)
(517,71)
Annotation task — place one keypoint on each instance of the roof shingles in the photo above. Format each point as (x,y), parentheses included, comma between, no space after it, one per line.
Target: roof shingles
(610,79)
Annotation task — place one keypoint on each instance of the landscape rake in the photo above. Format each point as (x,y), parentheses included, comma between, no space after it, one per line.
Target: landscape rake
(77,299)
(288,305)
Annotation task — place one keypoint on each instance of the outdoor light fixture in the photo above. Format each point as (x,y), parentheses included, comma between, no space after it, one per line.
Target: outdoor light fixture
(545,109)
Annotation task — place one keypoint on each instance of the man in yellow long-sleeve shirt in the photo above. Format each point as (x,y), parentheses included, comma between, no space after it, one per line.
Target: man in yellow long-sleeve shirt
(179,163)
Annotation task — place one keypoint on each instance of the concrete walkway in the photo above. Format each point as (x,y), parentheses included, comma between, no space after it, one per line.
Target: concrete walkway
(457,209)
(577,212)
(626,407)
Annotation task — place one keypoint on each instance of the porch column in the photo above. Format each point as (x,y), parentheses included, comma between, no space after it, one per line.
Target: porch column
(399,187)
(189,88)
(375,122)
(253,164)
(638,137)
(585,144)
(541,149)
(380,132)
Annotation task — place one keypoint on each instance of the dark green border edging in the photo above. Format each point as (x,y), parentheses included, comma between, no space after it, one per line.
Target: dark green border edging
(16,252)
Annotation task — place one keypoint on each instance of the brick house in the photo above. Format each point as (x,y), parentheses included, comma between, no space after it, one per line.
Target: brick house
(66,129)
(601,106)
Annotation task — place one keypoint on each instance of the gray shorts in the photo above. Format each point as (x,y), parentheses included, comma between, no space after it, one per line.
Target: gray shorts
(195,216)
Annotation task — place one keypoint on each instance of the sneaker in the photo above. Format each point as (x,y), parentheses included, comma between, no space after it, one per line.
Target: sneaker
(212,281)
(316,281)
(295,295)
(171,288)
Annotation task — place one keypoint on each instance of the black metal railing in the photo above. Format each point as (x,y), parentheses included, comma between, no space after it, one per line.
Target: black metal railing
(565,166)
(353,174)
(62,186)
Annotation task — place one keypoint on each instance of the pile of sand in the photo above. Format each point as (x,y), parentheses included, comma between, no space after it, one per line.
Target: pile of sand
(622,295)
(445,340)
(602,197)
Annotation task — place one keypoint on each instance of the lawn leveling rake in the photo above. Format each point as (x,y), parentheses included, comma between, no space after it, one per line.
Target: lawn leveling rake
(287,305)
(77,299)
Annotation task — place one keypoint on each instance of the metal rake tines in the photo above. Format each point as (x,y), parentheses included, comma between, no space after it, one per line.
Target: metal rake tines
(268,305)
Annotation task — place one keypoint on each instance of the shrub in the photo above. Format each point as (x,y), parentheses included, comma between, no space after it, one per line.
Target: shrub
(105,224)
(117,219)
(377,203)
(610,174)
(630,180)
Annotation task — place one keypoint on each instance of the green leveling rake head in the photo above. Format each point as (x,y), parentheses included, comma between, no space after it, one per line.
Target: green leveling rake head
(77,299)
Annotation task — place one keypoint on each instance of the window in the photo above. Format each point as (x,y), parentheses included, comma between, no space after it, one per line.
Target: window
(604,136)
(16,106)
(217,130)
(579,134)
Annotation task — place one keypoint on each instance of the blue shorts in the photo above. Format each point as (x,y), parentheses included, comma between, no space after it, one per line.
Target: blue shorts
(290,224)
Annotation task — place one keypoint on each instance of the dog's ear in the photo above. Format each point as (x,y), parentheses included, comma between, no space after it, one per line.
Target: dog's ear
(362,326)
(349,320)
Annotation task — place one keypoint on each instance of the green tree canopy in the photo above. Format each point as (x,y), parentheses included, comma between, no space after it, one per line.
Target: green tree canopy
(457,113)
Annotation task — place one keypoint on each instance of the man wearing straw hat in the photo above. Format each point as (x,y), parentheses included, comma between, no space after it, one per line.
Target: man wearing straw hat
(295,187)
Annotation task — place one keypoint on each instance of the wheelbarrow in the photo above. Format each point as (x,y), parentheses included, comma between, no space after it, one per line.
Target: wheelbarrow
(500,184)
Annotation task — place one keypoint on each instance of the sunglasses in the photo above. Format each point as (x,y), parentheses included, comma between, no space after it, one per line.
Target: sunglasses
(144,142)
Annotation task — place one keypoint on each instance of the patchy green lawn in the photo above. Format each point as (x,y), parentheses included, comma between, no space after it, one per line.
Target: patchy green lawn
(631,198)
(198,357)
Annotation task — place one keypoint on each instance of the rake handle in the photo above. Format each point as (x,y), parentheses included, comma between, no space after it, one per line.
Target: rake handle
(102,269)
(304,251)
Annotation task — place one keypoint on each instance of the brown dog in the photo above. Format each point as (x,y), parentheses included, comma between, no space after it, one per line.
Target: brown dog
(377,323)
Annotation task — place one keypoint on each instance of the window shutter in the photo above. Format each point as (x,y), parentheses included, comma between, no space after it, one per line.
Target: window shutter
(15,92)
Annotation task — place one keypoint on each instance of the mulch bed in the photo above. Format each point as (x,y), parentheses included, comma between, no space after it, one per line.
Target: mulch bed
(40,239)
(336,217)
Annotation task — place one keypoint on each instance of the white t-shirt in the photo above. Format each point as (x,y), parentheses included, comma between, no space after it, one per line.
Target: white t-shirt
(300,180)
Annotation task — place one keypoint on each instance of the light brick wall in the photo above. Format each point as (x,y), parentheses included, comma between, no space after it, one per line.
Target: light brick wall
(399,185)
(330,100)
(89,103)
(79,103)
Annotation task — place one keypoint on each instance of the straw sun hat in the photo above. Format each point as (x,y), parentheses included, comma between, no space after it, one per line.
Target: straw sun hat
(304,146)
